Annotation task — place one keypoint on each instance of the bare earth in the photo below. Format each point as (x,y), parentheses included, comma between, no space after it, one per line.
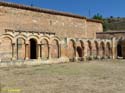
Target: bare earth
(86,77)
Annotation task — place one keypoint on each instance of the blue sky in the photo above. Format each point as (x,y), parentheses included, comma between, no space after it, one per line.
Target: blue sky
(107,8)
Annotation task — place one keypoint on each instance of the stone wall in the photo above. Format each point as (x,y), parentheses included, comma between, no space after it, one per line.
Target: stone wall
(92,28)
(62,26)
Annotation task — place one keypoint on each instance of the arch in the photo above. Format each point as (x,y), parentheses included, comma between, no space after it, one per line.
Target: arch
(102,49)
(8,36)
(80,49)
(44,48)
(6,48)
(20,48)
(21,36)
(55,48)
(71,50)
(45,37)
(89,48)
(55,37)
(35,37)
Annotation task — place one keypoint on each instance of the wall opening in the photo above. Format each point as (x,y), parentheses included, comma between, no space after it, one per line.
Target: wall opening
(119,50)
(79,51)
(33,53)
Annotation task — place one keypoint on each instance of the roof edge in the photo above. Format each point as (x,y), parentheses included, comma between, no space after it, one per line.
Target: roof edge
(95,20)
(36,9)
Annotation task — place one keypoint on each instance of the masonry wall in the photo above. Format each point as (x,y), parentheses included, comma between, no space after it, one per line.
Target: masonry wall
(63,26)
(17,19)
(92,28)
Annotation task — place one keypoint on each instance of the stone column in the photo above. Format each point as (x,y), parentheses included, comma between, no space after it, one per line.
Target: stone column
(114,48)
(13,51)
(99,51)
(49,51)
(38,51)
(59,50)
(26,51)
(75,53)
(85,53)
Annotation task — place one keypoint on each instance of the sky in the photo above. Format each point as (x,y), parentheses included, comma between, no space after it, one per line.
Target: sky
(88,8)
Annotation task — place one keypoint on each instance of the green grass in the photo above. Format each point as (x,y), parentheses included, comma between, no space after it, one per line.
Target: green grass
(88,77)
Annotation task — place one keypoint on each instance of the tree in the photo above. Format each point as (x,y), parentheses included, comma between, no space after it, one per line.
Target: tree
(105,23)
(98,16)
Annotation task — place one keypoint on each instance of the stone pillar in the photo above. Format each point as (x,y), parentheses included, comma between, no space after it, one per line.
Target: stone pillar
(85,52)
(38,51)
(75,53)
(59,50)
(49,51)
(114,48)
(99,51)
(104,56)
(26,51)
(13,51)
(0,51)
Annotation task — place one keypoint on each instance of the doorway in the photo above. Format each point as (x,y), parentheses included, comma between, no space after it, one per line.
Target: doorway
(33,54)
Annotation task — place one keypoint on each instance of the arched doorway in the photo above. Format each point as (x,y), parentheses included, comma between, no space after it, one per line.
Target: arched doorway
(119,50)
(33,53)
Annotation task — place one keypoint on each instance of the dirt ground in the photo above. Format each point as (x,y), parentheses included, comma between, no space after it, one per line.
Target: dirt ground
(86,77)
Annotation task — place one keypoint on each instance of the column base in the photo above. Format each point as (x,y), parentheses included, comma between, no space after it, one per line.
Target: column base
(13,59)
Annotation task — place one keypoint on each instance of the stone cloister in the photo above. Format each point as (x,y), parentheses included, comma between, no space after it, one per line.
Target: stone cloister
(27,45)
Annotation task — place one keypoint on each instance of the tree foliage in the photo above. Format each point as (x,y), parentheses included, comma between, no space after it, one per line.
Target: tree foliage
(100,17)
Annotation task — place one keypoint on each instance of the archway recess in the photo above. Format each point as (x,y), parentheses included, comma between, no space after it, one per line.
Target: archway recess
(33,49)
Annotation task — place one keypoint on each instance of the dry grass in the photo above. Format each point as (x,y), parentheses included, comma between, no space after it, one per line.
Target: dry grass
(89,77)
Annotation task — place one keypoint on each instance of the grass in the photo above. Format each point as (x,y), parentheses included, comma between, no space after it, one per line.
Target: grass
(88,77)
